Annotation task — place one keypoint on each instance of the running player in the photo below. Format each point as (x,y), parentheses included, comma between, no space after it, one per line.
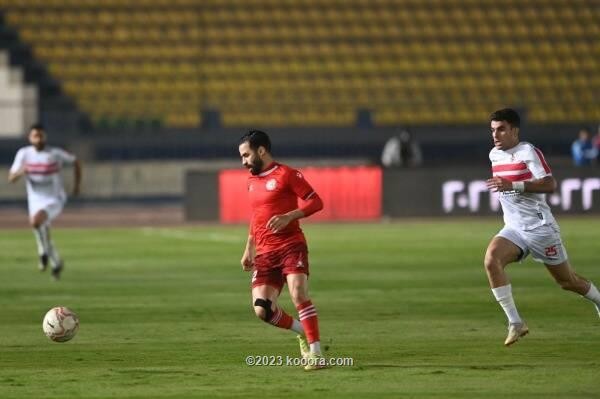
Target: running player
(276,249)
(41,164)
(523,177)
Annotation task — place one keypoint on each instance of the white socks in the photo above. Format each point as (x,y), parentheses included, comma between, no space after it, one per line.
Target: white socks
(297,327)
(41,239)
(315,348)
(504,297)
(45,244)
(593,295)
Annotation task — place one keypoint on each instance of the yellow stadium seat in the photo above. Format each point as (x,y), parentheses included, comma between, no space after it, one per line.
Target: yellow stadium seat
(409,61)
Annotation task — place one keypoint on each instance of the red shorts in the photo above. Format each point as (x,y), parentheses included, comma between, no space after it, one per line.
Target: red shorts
(271,268)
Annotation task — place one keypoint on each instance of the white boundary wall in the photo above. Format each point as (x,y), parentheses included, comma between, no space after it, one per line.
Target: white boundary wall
(18,101)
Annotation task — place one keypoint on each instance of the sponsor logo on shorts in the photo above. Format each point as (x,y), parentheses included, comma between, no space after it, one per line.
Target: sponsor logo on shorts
(551,251)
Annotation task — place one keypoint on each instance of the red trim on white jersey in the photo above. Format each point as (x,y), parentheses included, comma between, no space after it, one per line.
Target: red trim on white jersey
(41,165)
(42,168)
(45,173)
(512,171)
(509,167)
(520,177)
(542,160)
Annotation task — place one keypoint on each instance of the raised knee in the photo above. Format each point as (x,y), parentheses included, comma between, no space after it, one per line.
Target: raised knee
(263,309)
(261,313)
(35,224)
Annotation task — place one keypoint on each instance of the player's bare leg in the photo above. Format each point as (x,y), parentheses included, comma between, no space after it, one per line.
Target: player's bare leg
(568,280)
(41,238)
(298,286)
(264,300)
(499,254)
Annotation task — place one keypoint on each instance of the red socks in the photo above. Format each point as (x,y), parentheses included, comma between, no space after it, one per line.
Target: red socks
(281,319)
(308,317)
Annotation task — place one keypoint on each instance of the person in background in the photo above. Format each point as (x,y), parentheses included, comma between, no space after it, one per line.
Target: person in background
(401,150)
(596,141)
(40,165)
(583,151)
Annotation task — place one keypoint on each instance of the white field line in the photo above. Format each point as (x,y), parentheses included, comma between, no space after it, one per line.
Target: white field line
(192,236)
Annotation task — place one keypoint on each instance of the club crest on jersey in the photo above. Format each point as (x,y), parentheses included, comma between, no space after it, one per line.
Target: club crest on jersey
(271,185)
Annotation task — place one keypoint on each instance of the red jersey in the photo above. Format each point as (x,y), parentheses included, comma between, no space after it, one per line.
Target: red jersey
(275,192)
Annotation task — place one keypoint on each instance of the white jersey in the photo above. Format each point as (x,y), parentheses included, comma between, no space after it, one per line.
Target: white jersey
(524,162)
(44,181)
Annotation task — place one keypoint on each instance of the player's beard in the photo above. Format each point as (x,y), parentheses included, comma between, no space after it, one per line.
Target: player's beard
(39,147)
(257,166)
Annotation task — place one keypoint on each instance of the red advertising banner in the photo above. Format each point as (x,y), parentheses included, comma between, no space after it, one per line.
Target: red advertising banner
(348,193)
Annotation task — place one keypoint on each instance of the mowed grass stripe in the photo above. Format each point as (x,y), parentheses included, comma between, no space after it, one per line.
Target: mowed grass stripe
(166,313)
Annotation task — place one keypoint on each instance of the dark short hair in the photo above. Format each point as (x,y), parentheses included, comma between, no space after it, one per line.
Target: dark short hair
(257,138)
(585,129)
(506,114)
(37,126)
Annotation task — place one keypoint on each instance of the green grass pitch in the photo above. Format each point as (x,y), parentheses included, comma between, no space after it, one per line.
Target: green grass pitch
(165,313)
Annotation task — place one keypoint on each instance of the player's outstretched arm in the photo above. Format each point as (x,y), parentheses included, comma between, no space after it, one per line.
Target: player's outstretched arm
(545,185)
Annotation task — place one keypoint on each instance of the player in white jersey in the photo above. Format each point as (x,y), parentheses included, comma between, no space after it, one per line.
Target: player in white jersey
(46,197)
(522,177)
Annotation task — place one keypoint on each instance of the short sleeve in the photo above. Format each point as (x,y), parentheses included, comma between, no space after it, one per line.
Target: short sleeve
(19,161)
(537,163)
(299,185)
(64,156)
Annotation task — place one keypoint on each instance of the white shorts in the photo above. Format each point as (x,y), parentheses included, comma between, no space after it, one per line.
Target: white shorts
(52,209)
(544,243)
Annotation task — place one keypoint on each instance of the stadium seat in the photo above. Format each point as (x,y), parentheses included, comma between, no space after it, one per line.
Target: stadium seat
(408,61)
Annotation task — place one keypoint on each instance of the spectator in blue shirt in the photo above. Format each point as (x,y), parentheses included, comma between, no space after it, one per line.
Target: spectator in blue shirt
(583,150)
(597,140)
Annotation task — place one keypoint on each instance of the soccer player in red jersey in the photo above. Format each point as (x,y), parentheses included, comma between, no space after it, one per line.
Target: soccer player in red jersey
(276,249)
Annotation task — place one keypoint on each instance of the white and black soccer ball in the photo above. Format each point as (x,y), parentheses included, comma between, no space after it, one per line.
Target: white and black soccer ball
(60,324)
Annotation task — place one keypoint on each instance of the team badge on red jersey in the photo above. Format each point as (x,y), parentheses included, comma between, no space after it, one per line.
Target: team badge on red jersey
(271,185)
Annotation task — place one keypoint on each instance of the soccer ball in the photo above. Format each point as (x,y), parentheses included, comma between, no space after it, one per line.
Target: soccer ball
(60,324)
